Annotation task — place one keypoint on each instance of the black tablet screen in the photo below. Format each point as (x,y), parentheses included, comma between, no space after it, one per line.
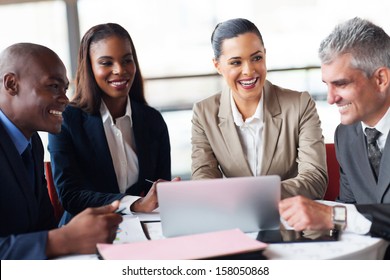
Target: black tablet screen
(283,235)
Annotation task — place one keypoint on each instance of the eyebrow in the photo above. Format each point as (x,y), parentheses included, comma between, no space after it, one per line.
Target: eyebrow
(238,57)
(60,80)
(338,81)
(110,57)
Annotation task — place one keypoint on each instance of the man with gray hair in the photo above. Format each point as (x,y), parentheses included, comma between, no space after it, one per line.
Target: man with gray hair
(355,64)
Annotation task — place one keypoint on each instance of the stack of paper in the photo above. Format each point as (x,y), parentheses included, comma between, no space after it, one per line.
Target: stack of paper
(199,246)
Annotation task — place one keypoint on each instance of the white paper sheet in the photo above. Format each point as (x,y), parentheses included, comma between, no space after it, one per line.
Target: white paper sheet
(130,230)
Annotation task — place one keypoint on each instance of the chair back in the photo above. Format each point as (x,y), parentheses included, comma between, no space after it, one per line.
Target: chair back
(58,209)
(333,189)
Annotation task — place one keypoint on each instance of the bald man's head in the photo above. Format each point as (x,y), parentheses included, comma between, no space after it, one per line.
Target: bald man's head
(17,58)
(33,87)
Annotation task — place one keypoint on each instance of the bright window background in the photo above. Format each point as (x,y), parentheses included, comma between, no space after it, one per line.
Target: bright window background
(40,22)
(172,38)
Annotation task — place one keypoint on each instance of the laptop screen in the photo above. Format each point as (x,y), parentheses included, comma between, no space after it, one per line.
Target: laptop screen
(247,203)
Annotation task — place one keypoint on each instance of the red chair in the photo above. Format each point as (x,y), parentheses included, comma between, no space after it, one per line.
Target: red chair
(58,209)
(333,173)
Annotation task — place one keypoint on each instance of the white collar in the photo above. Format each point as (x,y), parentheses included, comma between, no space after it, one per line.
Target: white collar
(106,116)
(237,117)
(382,126)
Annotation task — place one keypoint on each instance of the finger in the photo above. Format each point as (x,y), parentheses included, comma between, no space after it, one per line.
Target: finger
(287,202)
(115,204)
(113,220)
(290,215)
(105,209)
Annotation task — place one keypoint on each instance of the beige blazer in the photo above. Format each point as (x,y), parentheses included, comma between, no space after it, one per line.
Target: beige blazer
(293,145)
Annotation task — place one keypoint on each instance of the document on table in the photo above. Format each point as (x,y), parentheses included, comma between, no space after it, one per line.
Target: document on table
(197,246)
(130,230)
(148,217)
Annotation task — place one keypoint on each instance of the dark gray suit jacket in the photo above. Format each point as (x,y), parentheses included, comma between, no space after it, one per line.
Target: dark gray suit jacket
(357,181)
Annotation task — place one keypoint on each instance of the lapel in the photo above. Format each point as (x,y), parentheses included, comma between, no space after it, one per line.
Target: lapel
(384,172)
(94,129)
(141,136)
(230,136)
(20,173)
(143,139)
(272,125)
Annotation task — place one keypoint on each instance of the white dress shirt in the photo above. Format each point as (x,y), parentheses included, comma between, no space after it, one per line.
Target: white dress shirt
(383,126)
(121,142)
(250,133)
(356,222)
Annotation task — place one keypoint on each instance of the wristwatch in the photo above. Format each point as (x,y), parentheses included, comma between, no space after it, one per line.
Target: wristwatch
(339,217)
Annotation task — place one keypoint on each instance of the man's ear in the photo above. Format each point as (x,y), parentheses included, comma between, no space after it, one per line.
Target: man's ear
(382,78)
(216,65)
(10,83)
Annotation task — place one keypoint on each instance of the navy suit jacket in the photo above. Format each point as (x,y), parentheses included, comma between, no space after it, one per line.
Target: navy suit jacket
(26,213)
(82,166)
(357,181)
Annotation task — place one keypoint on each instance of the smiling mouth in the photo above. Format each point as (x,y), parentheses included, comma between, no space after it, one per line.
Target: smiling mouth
(344,107)
(55,113)
(248,83)
(119,84)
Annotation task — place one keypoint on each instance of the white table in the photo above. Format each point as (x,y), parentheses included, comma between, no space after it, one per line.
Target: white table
(350,246)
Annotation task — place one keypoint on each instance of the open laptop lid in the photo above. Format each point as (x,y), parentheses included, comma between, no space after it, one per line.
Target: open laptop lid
(247,203)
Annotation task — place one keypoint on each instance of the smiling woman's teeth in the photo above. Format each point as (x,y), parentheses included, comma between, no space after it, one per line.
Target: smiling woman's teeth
(118,83)
(248,82)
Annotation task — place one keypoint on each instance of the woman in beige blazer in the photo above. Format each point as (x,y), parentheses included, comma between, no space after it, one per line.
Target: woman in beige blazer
(253,127)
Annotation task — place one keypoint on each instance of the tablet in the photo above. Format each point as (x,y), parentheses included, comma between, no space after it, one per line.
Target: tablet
(284,235)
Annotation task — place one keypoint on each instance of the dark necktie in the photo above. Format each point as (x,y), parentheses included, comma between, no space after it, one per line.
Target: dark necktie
(374,153)
(29,164)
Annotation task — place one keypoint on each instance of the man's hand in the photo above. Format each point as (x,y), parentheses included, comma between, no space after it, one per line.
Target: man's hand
(302,213)
(84,231)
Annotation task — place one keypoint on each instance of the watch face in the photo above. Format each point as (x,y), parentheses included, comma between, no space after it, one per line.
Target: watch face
(339,213)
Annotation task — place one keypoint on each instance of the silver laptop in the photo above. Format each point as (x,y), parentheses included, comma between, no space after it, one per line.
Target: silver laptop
(247,203)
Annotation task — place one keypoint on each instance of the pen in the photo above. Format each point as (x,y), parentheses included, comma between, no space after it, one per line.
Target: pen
(150,181)
(120,210)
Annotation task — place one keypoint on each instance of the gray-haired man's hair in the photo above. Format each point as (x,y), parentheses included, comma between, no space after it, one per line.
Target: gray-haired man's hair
(368,44)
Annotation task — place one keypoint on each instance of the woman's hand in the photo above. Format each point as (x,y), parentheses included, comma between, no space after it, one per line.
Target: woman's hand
(149,202)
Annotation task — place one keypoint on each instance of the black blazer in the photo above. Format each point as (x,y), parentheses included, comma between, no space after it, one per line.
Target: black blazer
(25,211)
(82,166)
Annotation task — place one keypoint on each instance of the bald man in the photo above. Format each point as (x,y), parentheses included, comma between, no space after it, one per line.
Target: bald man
(33,86)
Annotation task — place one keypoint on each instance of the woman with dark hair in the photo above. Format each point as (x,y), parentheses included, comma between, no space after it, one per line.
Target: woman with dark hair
(253,127)
(111,140)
